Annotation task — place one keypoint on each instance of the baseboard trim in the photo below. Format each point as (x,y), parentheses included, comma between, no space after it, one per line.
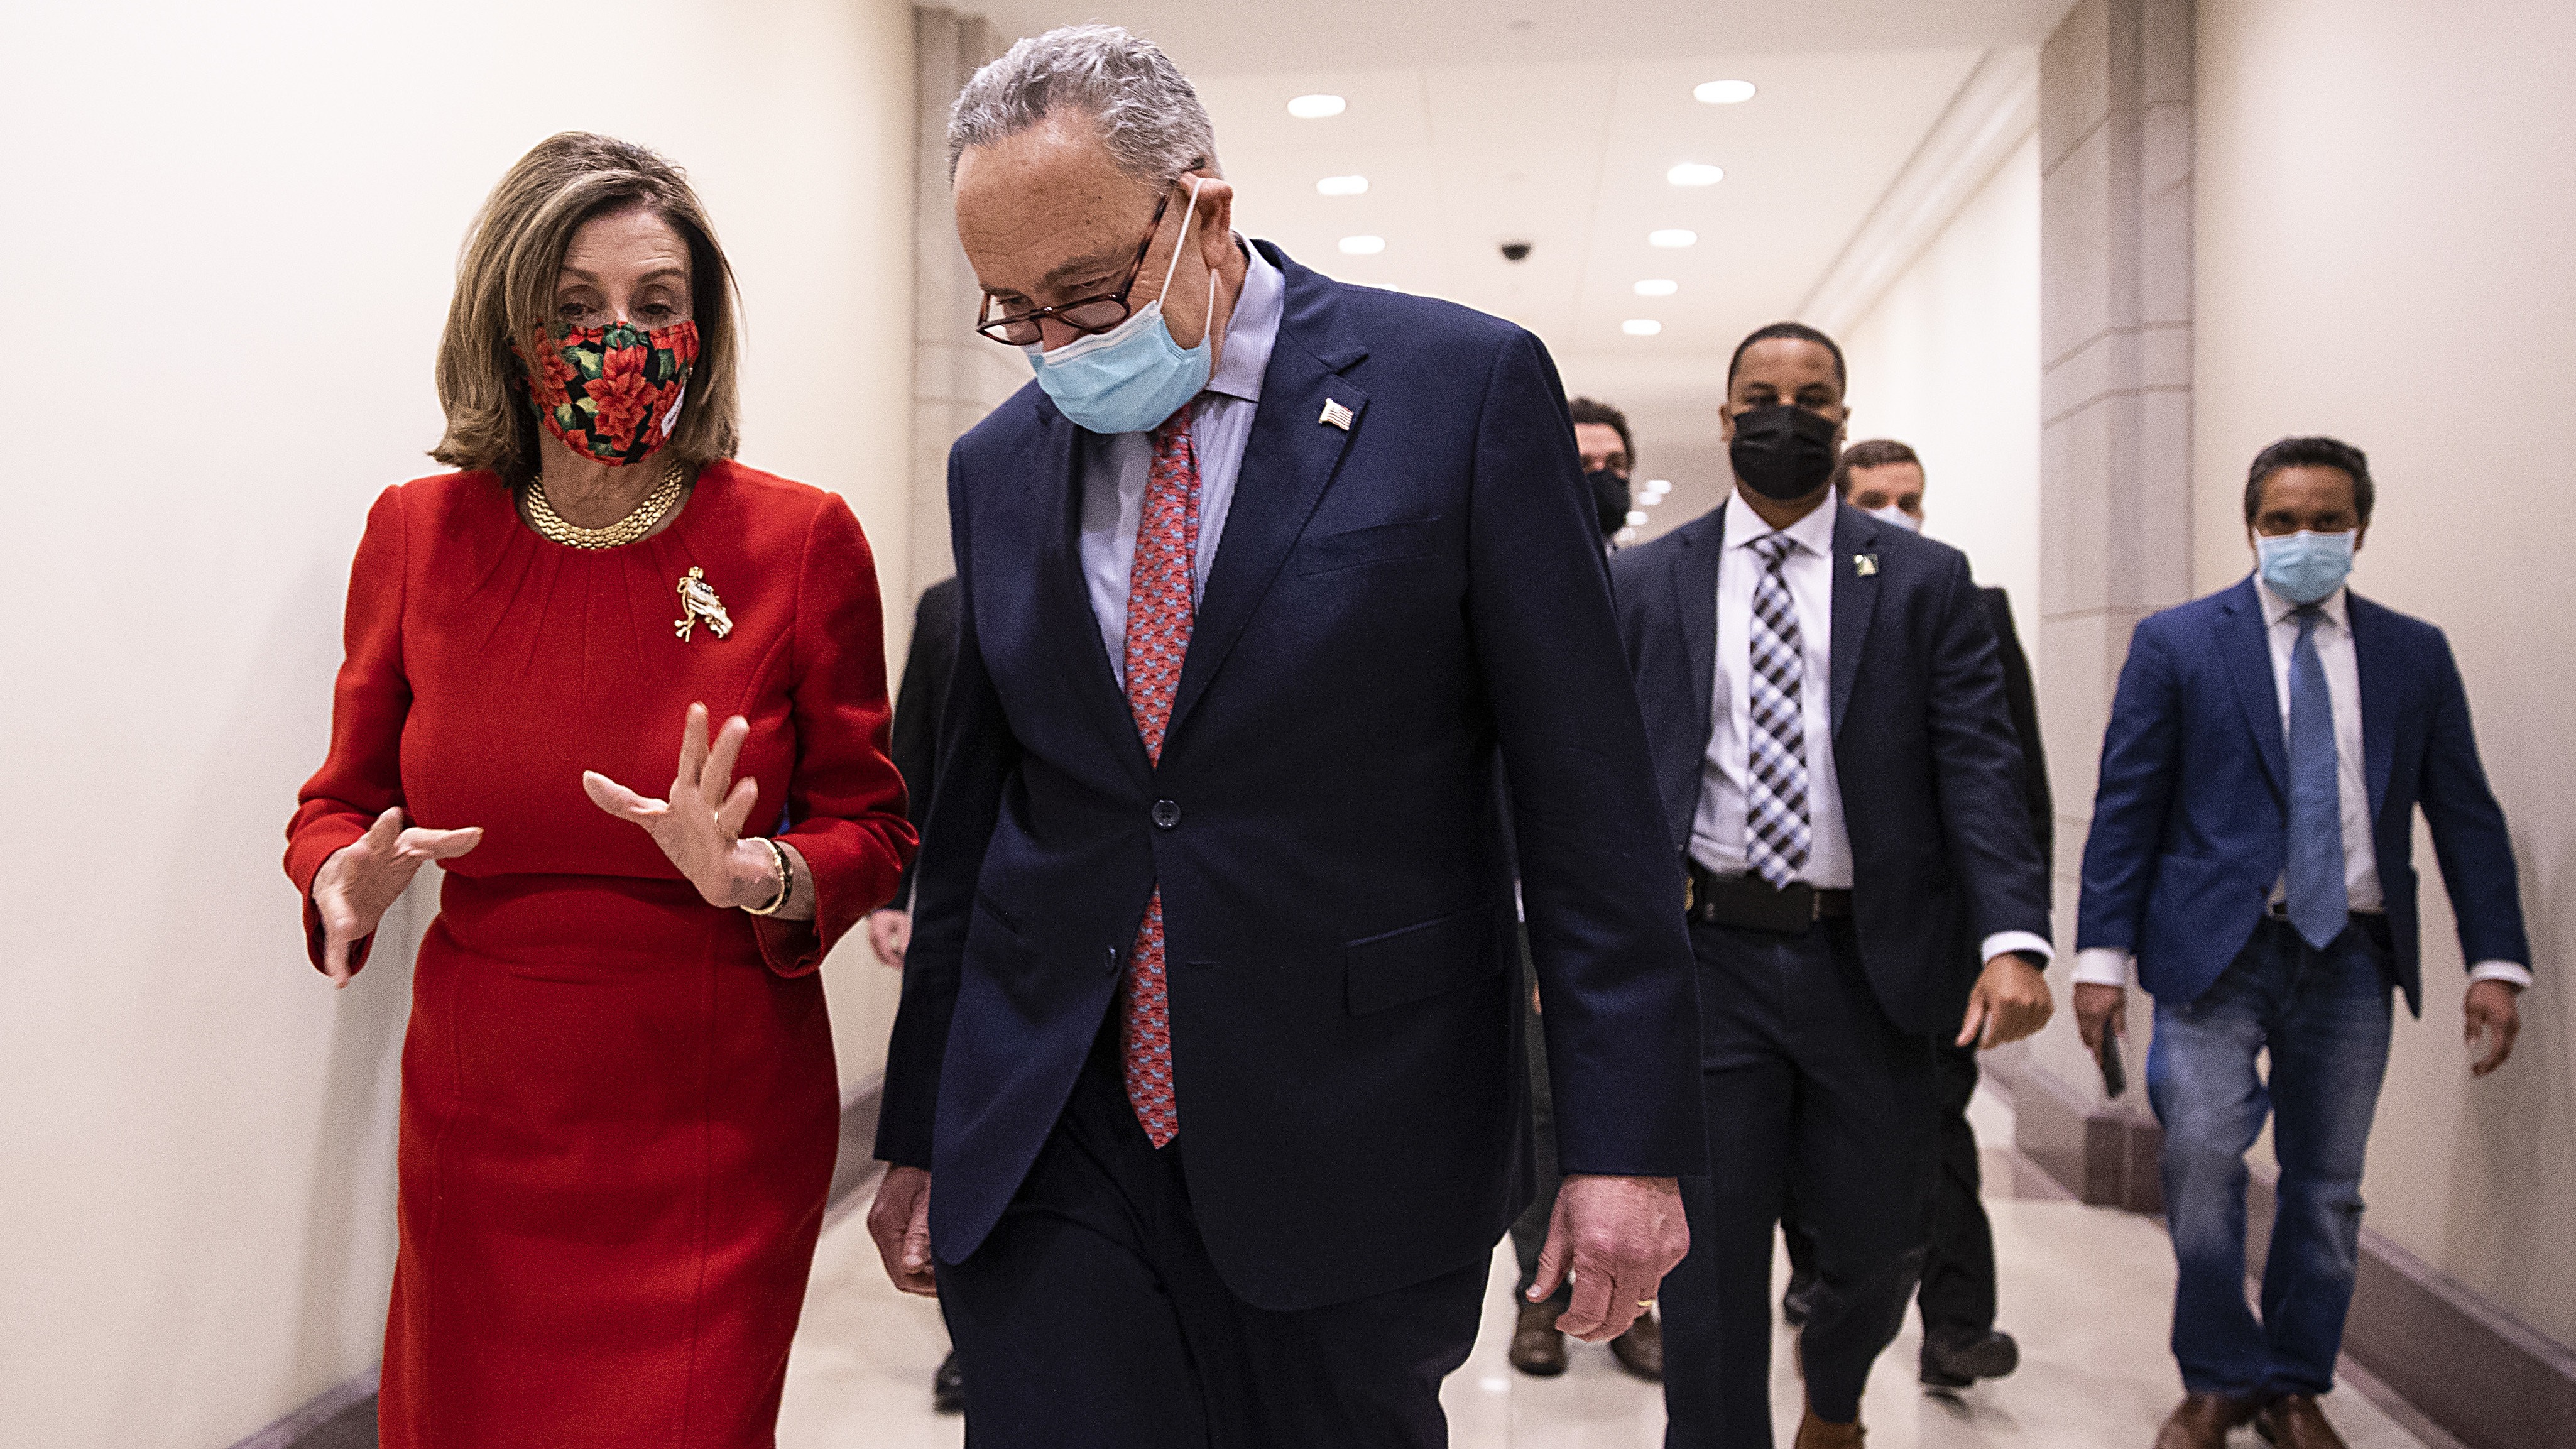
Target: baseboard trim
(344,1417)
(2484,1376)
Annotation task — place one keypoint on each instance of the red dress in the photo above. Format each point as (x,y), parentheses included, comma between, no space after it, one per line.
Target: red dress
(618,1105)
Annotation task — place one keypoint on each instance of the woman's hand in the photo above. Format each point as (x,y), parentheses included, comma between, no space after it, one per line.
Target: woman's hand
(700,826)
(360,882)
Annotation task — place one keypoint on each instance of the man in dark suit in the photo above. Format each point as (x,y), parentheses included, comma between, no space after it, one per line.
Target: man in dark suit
(1203,1102)
(2253,851)
(1884,479)
(1839,773)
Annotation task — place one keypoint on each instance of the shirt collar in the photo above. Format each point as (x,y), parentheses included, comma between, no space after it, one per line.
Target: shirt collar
(1253,330)
(1814,533)
(2276,608)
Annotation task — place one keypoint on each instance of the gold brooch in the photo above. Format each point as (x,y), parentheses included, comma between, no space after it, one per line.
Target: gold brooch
(1863,564)
(698,601)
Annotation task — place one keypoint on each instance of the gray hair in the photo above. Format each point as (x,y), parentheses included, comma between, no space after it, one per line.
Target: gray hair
(1141,104)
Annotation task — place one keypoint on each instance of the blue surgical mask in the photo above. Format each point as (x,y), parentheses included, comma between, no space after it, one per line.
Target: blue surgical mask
(1898,516)
(1133,376)
(2303,567)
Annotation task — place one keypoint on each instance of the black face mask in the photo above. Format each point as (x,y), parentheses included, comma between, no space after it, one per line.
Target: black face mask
(1609,499)
(1784,451)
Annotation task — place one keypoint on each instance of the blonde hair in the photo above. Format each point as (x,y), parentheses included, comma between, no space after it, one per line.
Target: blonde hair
(505,285)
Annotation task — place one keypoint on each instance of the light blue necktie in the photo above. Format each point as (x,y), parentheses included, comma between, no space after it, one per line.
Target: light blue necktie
(2317,901)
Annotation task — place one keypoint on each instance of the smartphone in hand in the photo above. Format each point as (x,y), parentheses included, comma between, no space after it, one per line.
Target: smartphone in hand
(2106,1055)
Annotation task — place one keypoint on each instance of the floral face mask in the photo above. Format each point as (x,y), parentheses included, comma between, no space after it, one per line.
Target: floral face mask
(611,394)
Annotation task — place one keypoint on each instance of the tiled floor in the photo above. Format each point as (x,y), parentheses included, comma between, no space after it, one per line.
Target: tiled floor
(2085,1290)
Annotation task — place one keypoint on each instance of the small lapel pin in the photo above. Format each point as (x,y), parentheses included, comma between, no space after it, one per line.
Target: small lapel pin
(1336,414)
(1865,564)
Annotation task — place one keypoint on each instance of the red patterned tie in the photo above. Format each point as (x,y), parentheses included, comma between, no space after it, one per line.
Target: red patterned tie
(1159,616)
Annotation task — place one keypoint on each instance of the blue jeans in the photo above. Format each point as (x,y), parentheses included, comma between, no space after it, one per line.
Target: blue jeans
(2323,1018)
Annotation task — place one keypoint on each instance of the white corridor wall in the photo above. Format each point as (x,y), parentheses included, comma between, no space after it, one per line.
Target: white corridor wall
(228,241)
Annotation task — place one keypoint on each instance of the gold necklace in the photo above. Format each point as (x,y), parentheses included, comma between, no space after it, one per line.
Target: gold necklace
(543,518)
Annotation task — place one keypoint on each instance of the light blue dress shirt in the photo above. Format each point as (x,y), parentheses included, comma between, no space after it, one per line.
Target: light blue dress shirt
(1114,467)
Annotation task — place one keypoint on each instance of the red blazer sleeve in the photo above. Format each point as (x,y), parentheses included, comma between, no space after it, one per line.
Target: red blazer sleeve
(361,778)
(845,796)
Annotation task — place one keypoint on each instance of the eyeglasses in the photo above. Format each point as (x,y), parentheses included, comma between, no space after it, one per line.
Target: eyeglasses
(1085,314)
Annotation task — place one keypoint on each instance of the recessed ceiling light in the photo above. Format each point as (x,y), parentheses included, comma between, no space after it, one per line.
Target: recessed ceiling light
(1363,246)
(1636,519)
(1342,185)
(1316,107)
(1649,498)
(1641,326)
(1658,287)
(1627,535)
(1659,486)
(1724,93)
(1673,236)
(1695,173)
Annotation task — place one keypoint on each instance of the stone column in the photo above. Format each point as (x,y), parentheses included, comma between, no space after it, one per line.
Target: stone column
(2115,132)
(958,377)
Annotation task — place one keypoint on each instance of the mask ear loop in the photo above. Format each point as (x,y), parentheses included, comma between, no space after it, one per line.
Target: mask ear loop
(1181,241)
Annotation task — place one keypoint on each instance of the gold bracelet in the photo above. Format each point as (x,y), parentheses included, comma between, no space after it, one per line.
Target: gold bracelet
(786,880)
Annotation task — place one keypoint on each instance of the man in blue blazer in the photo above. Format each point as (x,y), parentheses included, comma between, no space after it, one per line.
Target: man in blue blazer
(1842,784)
(1203,1100)
(2252,850)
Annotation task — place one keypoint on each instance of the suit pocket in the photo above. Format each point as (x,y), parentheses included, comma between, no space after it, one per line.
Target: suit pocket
(1417,538)
(1420,961)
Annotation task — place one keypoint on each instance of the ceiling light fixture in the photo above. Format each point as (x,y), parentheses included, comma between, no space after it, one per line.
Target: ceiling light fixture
(1673,236)
(1636,519)
(1342,186)
(1659,486)
(1658,287)
(1316,107)
(1695,173)
(1363,246)
(1641,326)
(1723,93)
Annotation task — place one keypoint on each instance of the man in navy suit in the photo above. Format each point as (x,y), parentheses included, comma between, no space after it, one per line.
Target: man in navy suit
(2252,850)
(1841,780)
(1203,1101)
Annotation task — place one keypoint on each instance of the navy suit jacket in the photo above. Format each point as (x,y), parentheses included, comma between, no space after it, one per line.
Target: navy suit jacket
(2191,820)
(1397,609)
(1924,746)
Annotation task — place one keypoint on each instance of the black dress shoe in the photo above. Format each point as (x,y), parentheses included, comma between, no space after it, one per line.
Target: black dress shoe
(948,1387)
(1955,1358)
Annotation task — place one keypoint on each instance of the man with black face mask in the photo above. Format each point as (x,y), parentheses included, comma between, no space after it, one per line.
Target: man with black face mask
(1825,706)
(1608,452)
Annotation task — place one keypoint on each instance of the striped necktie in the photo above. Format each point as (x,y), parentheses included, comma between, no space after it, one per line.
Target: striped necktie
(1775,777)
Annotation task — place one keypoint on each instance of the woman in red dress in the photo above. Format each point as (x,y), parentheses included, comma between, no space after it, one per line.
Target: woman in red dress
(619,1108)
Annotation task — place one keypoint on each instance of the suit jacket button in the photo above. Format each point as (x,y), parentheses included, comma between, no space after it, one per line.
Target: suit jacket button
(1167,813)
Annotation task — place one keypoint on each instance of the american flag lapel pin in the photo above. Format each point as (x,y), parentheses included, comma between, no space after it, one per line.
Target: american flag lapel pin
(1336,415)
(1865,564)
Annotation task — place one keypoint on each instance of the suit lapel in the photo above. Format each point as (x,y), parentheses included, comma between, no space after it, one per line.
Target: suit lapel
(2249,663)
(1065,614)
(1855,600)
(1694,581)
(1290,458)
(2373,660)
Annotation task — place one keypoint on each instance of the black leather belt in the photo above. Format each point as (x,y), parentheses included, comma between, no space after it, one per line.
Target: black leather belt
(1750,903)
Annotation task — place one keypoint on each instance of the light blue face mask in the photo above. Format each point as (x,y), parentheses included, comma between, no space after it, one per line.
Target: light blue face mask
(2303,567)
(1133,376)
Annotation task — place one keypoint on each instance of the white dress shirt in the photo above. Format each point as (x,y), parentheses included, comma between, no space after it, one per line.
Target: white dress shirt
(1718,829)
(2105,966)
(1115,467)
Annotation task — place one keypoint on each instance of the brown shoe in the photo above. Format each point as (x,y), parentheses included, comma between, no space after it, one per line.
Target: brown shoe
(2294,1421)
(1815,1433)
(2201,1421)
(1641,1349)
(1537,1348)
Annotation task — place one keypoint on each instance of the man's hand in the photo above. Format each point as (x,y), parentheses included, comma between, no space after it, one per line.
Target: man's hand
(2492,1013)
(2010,1002)
(889,935)
(900,1222)
(1617,1237)
(2097,1008)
